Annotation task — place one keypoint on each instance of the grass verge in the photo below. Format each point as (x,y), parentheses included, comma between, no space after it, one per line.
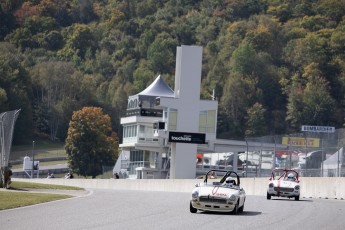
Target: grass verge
(20,185)
(39,154)
(10,200)
(42,163)
(20,198)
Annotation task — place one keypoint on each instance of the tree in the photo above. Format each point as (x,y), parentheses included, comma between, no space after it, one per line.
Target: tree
(319,104)
(15,90)
(238,93)
(79,40)
(243,59)
(103,64)
(332,9)
(90,143)
(53,83)
(310,103)
(256,124)
(86,13)
(7,22)
(160,53)
(303,51)
(143,76)
(3,99)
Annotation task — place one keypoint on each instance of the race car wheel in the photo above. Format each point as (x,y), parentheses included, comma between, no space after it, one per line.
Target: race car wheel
(236,209)
(241,208)
(297,197)
(268,196)
(192,209)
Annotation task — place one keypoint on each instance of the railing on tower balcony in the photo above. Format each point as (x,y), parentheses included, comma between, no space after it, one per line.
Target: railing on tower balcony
(144,112)
(135,164)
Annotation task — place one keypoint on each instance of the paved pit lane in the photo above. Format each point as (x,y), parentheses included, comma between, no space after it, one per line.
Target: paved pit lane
(119,209)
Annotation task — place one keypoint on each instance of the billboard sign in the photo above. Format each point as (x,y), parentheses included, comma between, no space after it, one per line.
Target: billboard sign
(301,142)
(189,138)
(318,129)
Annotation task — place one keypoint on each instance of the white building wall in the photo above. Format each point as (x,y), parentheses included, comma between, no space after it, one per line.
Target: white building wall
(188,105)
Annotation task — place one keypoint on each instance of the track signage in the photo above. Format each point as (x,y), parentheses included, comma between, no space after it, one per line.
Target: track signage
(318,129)
(190,138)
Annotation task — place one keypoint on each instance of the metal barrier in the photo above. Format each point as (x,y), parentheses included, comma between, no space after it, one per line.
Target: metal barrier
(311,154)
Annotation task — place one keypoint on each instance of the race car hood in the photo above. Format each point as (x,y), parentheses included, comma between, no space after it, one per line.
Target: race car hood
(284,184)
(217,191)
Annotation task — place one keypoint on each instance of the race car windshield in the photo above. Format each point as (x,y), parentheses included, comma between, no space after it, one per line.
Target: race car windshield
(285,175)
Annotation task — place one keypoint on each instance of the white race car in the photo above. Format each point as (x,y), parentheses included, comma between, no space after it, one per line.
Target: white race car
(225,195)
(284,183)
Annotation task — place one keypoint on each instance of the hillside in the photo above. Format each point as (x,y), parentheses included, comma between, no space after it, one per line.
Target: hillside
(274,65)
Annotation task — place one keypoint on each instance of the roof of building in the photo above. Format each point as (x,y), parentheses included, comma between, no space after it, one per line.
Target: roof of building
(158,88)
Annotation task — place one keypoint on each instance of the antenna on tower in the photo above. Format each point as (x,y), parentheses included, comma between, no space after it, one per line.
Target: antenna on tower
(213,97)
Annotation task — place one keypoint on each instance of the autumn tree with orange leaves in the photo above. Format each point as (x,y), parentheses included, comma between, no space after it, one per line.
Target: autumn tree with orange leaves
(90,142)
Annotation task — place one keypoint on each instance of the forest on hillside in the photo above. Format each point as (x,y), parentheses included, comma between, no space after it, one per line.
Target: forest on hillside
(274,65)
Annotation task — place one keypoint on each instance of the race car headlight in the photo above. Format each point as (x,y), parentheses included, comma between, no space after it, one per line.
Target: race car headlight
(297,187)
(232,197)
(271,185)
(195,194)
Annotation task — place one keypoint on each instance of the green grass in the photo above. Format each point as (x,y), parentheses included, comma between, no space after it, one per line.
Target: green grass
(18,197)
(10,200)
(39,144)
(20,166)
(42,149)
(22,185)
(38,154)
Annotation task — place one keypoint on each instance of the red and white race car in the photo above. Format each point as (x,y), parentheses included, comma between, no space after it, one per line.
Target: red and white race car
(284,183)
(225,195)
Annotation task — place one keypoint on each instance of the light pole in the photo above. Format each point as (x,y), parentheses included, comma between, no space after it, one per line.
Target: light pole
(306,153)
(33,160)
(288,153)
(322,154)
(246,156)
(274,153)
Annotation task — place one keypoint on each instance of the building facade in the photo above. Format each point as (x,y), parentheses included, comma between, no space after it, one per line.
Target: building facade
(165,130)
(156,112)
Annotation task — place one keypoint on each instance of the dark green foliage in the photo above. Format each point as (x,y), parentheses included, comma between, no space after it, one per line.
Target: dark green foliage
(16,90)
(7,22)
(160,54)
(256,125)
(256,52)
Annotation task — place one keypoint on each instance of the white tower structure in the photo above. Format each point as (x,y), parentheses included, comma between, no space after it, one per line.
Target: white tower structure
(164,129)
(191,115)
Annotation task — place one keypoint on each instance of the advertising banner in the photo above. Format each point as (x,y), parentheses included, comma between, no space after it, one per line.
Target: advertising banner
(301,142)
(190,138)
(317,129)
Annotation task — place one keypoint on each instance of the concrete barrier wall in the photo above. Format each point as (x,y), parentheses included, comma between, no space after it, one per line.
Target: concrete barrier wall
(311,187)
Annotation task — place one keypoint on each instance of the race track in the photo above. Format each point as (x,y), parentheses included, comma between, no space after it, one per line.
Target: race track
(119,209)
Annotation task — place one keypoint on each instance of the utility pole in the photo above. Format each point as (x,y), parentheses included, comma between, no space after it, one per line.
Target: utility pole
(33,160)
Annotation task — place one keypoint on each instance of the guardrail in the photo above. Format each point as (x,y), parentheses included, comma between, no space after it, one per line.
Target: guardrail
(311,187)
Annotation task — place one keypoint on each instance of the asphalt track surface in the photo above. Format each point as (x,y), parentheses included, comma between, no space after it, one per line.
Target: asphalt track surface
(119,209)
